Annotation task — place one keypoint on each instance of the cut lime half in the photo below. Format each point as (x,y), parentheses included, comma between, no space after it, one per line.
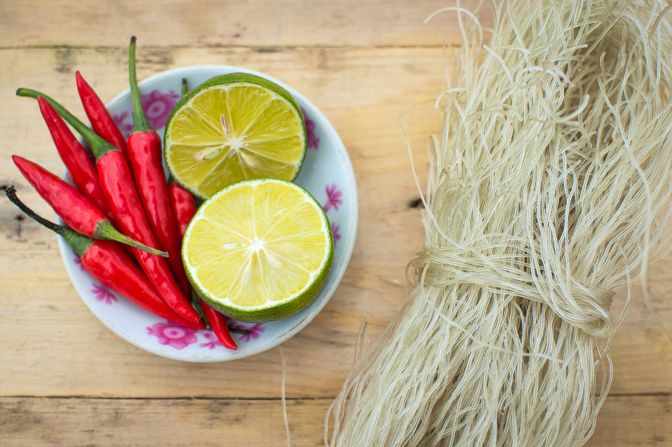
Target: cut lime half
(258,250)
(231,128)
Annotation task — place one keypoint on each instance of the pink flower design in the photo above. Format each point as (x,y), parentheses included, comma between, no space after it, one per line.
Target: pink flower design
(172,334)
(248,333)
(78,262)
(212,340)
(158,106)
(124,122)
(336,232)
(334,198)
(103,294)
(313,139)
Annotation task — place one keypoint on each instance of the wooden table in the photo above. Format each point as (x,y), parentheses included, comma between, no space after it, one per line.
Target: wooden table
(67,380)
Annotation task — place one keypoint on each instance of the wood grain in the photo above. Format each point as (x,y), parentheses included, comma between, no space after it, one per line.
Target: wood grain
(67,380)
(215,23)
(75,343)
(624,422)
(48,326)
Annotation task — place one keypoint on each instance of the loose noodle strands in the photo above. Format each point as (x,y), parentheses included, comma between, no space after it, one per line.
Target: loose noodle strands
(549,188)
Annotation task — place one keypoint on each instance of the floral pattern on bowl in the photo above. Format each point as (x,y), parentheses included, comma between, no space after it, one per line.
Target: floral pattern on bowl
(327,173)
(157,106)
(313,139)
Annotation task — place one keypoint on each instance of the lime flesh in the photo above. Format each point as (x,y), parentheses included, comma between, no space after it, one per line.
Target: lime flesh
(231,128)
(258,250)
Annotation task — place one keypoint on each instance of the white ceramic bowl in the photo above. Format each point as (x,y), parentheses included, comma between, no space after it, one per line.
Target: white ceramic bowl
(327,173)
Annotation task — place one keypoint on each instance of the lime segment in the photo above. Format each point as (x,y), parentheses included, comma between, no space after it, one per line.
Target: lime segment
(231,128)
(258,250)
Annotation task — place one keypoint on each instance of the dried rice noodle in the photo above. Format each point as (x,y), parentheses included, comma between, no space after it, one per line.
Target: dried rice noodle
(549,188)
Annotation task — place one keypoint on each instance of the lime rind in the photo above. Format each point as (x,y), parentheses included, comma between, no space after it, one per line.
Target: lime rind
(228,79)
(276,309)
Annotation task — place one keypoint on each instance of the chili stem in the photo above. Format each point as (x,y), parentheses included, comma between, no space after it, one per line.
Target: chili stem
(77,241)
(105,230)
(99,146)
(140,122)
(10,191)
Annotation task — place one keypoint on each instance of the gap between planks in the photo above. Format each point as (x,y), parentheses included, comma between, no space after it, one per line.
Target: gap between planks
(256,48)
(246,399)
(176,398)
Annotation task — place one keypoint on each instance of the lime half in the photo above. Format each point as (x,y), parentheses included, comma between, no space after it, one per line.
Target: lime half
(231,128)
(258,250)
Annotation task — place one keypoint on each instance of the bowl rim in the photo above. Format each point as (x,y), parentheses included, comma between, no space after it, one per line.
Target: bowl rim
(338,270)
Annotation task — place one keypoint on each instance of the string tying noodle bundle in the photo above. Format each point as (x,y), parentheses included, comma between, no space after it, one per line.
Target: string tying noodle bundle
(549,186)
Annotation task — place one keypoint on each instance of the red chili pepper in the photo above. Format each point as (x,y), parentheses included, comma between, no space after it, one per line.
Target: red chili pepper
(100,118)
(185,208)
(74,157)
(106,262)
(119,190)
(144,153)
(218,324)
(182,201)
(75,209)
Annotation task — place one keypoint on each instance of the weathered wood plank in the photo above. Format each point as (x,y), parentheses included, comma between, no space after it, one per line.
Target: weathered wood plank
(117,422)
(225,23)
(624,422)
(55,347)
(634,421)
(363,63)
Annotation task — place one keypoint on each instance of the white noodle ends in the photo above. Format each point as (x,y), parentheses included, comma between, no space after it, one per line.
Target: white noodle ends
(549,187)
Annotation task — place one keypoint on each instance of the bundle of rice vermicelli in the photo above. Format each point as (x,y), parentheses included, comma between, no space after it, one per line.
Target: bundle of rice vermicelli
(549,187)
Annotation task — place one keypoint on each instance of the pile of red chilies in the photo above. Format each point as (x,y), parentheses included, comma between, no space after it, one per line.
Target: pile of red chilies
(121,198)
